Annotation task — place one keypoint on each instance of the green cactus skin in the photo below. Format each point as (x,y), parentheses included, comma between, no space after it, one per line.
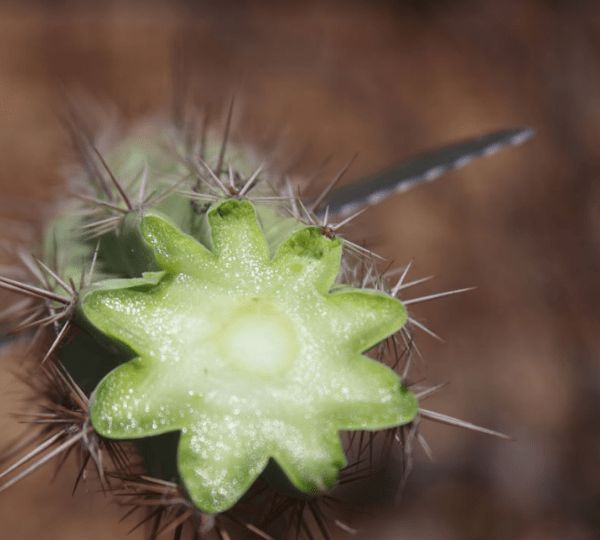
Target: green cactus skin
(227,327)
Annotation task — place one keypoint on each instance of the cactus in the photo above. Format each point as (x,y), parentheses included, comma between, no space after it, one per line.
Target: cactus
(200,315)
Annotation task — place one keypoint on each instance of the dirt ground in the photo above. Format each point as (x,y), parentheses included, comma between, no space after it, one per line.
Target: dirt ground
(384,79)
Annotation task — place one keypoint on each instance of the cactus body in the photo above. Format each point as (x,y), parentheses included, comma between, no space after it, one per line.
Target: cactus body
(228,325)
(199,310)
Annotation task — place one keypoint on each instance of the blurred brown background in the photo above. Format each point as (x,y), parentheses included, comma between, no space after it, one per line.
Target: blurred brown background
(385,79)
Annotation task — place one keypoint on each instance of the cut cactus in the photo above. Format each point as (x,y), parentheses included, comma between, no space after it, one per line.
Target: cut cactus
(201,312)
(250,356)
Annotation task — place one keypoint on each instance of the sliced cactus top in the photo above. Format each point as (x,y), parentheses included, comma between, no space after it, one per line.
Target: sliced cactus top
(250,354)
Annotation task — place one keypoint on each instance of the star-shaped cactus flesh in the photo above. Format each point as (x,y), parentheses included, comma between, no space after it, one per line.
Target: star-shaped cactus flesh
(250,355)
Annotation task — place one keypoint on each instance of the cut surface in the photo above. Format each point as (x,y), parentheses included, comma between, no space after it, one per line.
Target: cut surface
(250,356)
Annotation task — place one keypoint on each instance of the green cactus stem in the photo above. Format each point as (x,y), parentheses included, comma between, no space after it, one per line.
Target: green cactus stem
(196,305)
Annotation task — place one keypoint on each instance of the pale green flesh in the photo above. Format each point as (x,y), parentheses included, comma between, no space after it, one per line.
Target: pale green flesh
(249,355)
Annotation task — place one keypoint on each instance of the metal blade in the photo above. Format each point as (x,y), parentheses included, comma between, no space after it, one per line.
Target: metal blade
(421,168)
